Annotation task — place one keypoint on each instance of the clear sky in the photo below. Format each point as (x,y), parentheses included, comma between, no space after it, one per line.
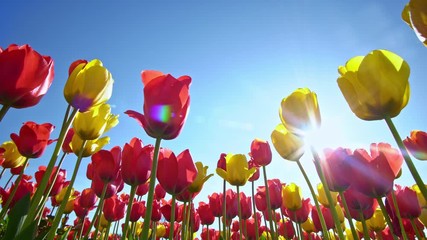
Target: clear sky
(243,57)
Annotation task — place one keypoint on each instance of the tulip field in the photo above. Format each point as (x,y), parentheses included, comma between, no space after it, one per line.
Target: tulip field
(149,190)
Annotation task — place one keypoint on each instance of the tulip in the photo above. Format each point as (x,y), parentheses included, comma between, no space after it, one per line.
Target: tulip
(246,206)
(88,198)
(24,187)
(89,85)
(300,215)
(275,190)
(291,197)
(159,192)
(175,174)
(10,157)
(421,200)
(66,148)
(231,203)
(33,139)
(206,215)
(376,222)
(407,202)
(136,211)
(78,209)
(414,15)
(215,204)
(286,229)
(91,147)
(255,176)
(106,164)
(136,162)
(26,76)
(288,145)
(166,210)
(336,169)
(114,209)
(261,152)
(112,188)
(166,104)
(374,173)
(321,197)
(237,172)
(300,112)
(375,86)
(417,144)
(142,189)
(91,124)
(309,226)
(326,212)
(197,185)
(358,201)
(59,180)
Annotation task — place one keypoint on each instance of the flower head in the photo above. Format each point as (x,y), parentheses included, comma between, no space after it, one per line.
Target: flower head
(237,172)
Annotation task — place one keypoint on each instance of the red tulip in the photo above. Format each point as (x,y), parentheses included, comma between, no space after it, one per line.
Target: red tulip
(250,227)
(231,204)
(275,190)
(213,234)
(59,181)
(112,188)
(222,162)
(205,213)
(166,209)
(175,173)
(106,164)
(255,176)
(416,143)
(159,192)
(357,201)
(88,198)
(25,76)
(407,202)
(300,215)
(24,188)
(215,204)
(327,215)
(166,104)
(286,229)
(136,211)
(85,224)
(373,174)
(114,209)
(66,148)
(142,189)
(33,139)
(136,162)
(79,210)
(336,168)
(246,206)
(261,152)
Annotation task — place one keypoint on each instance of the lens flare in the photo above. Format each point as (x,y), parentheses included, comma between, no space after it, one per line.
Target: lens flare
(161,113)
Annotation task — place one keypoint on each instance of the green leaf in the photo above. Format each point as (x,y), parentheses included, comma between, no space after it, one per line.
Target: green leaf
(16,219)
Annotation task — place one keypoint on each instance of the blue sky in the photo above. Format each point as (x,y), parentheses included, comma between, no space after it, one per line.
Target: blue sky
(243,56)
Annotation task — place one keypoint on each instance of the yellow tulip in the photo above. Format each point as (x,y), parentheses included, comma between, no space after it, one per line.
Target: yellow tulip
(92,124)
(160,230)
(340,214)
(91,146)
(415,15)
(421,200)
(300,112)
(375,86)
(292,196)
(104,222)
(60,196)
(359,226)
(89,85)
(349,234)
(308,226)
(287,144)
(377,221)
(69,207)
(201,178)
(237,170)
(321,197)
(11,157)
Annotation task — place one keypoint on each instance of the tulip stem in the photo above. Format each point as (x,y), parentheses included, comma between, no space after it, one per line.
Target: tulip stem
(316,203)
(327,193)
(98,212)
(239,208)
(219,224)
(348,215)
(3,111)
(406,156)
(365,227)
(147,217)
(60,211)
(399,218)
(128,211)
(414,226)
(255,213)
(386,217)
(172,217)
(267,192)
(36,199)
(107,231)
(15,188)
(224,208)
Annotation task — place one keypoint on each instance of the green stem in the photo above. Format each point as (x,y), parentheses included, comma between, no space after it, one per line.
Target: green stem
(147,218)
(219,224)
(128,211)
(316,203)
(153,231)
(3,111)
(107,232)
(399,218)
(414,226)
(207,230)
(407,158)
(60,211)
(98,212)
(300,236)
(36,200)
(172,219)
(327,193)
(239,208)
(365,227)
(255,215)
(224,209)
(15,188)
(348,215)
(267,192)
(386,217)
